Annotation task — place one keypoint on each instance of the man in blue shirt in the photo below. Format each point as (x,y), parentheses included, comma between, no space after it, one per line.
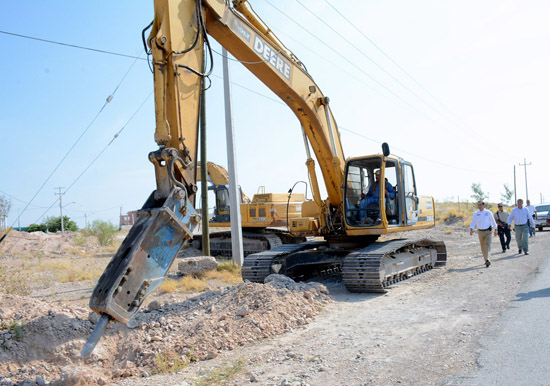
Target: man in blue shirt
(522,221)
(373,195)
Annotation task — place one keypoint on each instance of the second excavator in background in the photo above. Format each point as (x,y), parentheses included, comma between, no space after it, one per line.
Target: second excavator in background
(264,219)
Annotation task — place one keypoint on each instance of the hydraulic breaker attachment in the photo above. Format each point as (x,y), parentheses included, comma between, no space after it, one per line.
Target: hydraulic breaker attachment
(143,259)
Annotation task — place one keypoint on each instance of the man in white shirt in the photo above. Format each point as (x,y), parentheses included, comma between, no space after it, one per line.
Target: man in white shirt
(532,211)
(522,221)
(484,221)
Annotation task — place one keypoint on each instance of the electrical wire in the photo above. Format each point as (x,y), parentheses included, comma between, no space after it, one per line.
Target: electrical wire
(354,65)
(117,134)
(361,135)
(418,111)
(393,61)
(72,45)
(21,201)
(459,119)
(107,101)
(362,52)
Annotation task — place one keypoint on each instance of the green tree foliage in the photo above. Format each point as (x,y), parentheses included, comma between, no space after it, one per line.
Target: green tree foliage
(507,195)
(105,231)
(479,194)
(36,228)
(53,224)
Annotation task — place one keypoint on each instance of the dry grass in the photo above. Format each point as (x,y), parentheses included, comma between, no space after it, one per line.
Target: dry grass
(166,363)
(185,284)
(75,270)
(221,375)
(228,273)
(14,282)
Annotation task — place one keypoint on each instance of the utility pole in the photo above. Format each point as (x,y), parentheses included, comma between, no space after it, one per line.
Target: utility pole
(234,194)
(60,194)
(525,164)
(204,172)
(515,189)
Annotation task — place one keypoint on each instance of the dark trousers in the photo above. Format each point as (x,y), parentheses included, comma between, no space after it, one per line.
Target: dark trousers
(504,231)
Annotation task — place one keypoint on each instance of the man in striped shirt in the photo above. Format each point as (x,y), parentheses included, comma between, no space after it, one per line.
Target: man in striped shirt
(522,222)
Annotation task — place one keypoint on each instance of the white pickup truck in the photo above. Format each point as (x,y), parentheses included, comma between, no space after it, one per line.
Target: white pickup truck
(540,218)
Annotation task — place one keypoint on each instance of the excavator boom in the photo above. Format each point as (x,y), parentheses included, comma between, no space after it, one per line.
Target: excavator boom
(347,221)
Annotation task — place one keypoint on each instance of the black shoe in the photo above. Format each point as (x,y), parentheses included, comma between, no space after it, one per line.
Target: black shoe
(519,251)
(508,246)
(504,250)
(526,252)
(487,263)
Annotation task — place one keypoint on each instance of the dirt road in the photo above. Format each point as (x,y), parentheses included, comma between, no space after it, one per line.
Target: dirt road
(422,331)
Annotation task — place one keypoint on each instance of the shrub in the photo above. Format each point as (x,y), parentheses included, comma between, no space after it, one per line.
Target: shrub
(105,231)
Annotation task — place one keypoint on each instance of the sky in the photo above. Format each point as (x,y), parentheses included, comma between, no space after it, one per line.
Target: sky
(458,88)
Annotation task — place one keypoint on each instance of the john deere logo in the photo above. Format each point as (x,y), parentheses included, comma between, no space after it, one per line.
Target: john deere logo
(272,57)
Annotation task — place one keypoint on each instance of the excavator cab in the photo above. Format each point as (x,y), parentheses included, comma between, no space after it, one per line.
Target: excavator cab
(221,210)
(380,190)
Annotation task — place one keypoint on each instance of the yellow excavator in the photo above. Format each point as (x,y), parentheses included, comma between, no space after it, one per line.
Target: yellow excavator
(368,196)
(264,219)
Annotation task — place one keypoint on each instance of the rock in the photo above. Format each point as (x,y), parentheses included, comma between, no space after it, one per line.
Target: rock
(73,376)
(40,381)
(154,305)
(196,265)
(132,323)
(17,316)
(243,311)
(277,280)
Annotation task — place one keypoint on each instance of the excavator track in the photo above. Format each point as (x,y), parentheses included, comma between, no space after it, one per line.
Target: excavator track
(371,269)
(258,266)
(253,242)
(376,267)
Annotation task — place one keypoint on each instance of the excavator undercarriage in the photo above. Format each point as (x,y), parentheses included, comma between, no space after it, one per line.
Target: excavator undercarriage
(372,268)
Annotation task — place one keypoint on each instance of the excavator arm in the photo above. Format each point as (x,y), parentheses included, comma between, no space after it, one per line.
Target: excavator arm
(178,35)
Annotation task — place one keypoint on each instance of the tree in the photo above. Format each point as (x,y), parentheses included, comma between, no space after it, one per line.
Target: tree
(36,228)
(105,231)
(53,224)
(479,194)
(5,206)
(507,195)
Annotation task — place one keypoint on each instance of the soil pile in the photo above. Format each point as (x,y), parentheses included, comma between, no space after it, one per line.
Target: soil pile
(41,342)
(24,243)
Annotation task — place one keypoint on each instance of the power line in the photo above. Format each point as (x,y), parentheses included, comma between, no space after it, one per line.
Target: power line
(385,54)
(107,101)
(362,52)
(362,135)
(72,45)
(21,201)
(116,135)
(353,64)
(460,120)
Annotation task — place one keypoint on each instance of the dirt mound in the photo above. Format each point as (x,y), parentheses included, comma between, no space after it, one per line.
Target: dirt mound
(55,244)
(41,342)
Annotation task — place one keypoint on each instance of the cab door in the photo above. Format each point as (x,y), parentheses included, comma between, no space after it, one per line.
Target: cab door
(410,194)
